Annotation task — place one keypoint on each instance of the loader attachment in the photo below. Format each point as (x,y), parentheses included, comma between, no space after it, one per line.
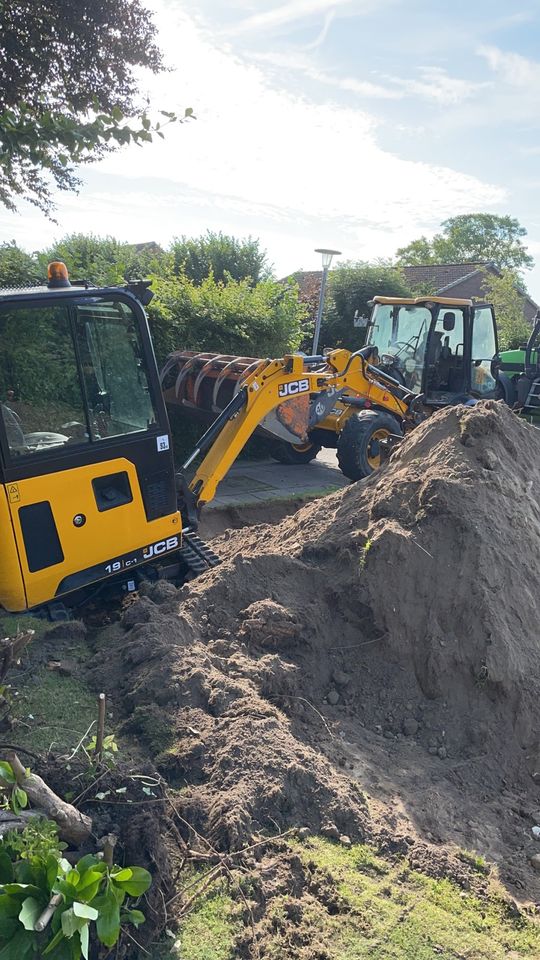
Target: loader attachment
(205,383)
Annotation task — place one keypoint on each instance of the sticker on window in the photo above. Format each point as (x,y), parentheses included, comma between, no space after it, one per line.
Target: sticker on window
(162,443)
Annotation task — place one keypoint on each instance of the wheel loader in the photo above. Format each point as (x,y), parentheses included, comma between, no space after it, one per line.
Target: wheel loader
(440,350)
(89,496)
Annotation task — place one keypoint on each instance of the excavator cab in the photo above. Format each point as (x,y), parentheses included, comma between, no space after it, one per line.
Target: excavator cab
(437,347)
(87,483)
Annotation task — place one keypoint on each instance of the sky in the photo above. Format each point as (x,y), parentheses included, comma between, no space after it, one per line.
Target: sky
(352,124)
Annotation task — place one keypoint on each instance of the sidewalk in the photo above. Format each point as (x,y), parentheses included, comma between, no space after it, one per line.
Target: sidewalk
(251,482)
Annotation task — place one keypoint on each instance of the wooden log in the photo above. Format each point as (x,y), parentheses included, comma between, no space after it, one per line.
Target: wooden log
(73,826)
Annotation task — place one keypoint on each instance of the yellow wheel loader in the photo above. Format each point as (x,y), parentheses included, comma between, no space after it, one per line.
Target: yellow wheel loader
(89,496)
(437,349)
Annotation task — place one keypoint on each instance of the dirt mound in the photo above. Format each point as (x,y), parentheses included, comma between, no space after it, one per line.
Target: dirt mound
(392,626)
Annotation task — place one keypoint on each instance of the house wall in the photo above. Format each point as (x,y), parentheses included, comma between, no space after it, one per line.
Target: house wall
(471,288)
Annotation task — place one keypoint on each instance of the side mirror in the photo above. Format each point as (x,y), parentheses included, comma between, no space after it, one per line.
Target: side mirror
(449,321)
(359,321)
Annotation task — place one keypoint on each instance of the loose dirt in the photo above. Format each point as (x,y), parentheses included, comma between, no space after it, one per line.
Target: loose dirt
(368,666)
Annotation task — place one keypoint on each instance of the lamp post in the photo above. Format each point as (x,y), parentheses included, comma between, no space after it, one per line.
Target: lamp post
(327,256)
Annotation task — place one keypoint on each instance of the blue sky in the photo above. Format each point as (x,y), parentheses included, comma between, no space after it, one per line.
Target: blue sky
(355,124)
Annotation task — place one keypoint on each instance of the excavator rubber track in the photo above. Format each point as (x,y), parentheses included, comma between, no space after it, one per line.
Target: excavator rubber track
(197,555)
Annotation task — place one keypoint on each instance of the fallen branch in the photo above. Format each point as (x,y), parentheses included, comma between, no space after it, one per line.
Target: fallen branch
(73,825)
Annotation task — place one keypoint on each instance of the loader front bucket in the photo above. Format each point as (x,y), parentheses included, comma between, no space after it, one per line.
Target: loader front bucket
(204,383)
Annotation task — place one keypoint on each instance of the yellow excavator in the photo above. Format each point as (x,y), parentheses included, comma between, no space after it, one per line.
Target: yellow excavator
(89,496)
(437,348)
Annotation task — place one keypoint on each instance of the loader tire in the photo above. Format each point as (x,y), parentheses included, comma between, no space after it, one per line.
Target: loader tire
(291,453)
(358,449)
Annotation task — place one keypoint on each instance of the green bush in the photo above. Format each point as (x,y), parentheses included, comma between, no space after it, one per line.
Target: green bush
(232,318)
(351,286)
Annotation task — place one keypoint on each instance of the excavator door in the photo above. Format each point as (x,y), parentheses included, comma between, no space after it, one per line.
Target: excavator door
(87,485)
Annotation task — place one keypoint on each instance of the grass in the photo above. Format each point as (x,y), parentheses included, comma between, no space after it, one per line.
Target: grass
(49,709)
(359,906)
(209,932)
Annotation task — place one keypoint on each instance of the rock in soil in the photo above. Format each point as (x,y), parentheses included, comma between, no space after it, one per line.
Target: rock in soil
(410,726)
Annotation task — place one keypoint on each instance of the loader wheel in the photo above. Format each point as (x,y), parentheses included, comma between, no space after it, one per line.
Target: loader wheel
(358,448)
(292,453)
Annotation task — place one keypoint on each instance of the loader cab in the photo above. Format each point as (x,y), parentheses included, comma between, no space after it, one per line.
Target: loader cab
(87,486)
(436,347)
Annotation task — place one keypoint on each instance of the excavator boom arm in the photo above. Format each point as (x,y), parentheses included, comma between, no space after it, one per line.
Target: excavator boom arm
(270,385)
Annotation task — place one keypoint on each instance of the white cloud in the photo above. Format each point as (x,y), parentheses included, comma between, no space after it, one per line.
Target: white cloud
(323,33)
(514,69)
(437,85)
(434,84)
(284,14)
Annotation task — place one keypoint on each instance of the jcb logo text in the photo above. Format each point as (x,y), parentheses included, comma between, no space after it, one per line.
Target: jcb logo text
(290,389)
(162,546)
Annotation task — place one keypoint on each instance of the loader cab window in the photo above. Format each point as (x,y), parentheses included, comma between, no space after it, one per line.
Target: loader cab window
(71,374)
(400,332)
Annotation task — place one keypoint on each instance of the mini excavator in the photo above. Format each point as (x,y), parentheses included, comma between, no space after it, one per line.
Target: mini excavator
(89,495)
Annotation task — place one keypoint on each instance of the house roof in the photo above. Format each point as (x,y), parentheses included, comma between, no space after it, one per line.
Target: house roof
(443,275)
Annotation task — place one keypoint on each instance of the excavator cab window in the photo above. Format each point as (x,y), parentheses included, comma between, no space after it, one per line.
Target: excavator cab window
(70,373)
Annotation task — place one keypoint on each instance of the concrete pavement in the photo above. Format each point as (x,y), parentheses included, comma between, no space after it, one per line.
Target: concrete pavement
(256,481)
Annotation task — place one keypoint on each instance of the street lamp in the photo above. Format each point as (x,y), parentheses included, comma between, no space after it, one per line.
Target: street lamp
(327,256)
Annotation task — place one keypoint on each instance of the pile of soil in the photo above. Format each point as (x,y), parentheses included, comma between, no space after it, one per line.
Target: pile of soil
(368,666)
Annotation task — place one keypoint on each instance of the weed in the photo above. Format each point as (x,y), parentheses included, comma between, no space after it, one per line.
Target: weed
(110,748)
(365,550)
(38,840)
(475,861)
(14,797)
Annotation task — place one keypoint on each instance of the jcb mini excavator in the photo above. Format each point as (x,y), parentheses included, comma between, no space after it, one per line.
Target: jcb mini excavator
(438,350)
(88,490)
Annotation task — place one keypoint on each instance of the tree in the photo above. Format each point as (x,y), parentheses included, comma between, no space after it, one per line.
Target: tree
(69,89)
(504,293)
(220,255)
(18,268)
(472,237)
(105,260)
(351,287)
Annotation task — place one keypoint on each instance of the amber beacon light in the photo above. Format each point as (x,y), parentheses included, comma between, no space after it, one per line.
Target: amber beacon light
(57,274)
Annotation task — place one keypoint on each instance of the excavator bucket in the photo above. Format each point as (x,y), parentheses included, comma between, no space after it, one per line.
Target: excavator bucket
(204,383)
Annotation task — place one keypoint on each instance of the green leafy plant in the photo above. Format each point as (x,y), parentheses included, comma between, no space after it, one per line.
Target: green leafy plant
(110,747)
(77,897)
(37,841)
(15,798)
